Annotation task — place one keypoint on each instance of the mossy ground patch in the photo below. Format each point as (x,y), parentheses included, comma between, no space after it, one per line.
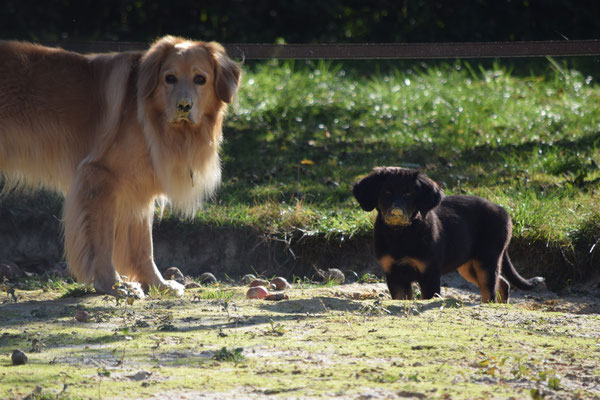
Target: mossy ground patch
(324,342)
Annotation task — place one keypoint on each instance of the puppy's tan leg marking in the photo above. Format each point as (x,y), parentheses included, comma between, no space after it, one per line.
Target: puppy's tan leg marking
(386,263)
(483,282)
(468,272)
(414,263)
(472,272)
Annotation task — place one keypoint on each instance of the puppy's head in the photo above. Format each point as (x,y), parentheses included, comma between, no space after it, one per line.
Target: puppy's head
(186,80)
(400,195)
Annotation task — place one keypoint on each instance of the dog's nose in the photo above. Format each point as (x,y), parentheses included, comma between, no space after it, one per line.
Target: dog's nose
(184,105)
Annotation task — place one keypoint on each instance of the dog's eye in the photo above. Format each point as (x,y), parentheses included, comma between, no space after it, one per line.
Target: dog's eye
(199,80)
(171,79)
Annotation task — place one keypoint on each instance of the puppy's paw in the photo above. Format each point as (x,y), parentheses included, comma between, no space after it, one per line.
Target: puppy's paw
(539,283)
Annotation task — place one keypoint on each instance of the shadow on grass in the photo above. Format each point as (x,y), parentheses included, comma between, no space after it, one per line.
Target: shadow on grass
(322,305)
(346,156)
(42,311)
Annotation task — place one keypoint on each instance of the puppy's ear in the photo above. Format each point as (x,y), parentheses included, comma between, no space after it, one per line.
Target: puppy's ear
(429,194)
(366,190)
(227,73)
(152,60)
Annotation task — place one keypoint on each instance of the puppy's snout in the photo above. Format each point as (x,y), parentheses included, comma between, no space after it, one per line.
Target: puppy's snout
(184,105)
(396,212)
(396,217)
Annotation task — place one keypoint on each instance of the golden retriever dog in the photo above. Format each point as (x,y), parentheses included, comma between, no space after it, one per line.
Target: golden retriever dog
(115,133)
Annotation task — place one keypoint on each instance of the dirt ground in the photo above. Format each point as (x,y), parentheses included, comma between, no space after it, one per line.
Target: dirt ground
(325,341)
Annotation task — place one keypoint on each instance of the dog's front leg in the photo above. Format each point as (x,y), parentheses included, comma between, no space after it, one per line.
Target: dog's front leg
(400,289)
(133,253)
(89,216)
(430,282)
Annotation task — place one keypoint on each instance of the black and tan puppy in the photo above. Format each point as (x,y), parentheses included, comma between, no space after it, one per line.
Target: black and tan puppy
(421,234)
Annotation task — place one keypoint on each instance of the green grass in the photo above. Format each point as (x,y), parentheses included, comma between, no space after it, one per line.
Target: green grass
(302,133)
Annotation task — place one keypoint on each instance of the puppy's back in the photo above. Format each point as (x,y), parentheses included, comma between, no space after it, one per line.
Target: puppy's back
(478,215)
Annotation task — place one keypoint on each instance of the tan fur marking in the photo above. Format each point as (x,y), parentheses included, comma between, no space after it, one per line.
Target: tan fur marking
(472,272)
(413,262)
(386,263)
(482,279)
(466,271)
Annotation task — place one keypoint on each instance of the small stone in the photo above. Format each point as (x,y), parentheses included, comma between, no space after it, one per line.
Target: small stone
(18,357)
(259,282)
(174,274)
(140,376)
(277,297)
(9,270)
(331,275)
(82,316)
(351,277)
(246,279)
(280,283)
(60,269)
(192,285)
(207,278)
(257,292)
(335,275)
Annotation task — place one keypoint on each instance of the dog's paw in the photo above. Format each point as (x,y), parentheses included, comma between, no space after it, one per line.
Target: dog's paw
(131,289)
(174,288)
(121,289)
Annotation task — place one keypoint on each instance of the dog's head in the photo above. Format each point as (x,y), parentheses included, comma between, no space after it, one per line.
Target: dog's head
(401,195)
(183,88)
(187,80)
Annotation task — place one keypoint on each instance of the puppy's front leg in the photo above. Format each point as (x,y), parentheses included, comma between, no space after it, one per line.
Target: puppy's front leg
(133,253)
(399,289)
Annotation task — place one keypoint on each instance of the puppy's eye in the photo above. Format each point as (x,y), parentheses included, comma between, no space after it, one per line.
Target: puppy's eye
(171,79)
(199,80)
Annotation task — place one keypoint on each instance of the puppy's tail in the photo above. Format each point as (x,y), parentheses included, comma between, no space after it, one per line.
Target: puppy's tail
(509,271)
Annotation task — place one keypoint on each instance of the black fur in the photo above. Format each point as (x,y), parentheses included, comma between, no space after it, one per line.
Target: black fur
(421,234)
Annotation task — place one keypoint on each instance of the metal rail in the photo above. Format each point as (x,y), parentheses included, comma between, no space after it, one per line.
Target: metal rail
(375,50)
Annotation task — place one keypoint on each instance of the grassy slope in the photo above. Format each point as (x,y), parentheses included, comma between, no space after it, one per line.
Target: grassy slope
(319,344)
(302,133)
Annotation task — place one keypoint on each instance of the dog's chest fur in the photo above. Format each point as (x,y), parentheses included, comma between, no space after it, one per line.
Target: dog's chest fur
(412,245)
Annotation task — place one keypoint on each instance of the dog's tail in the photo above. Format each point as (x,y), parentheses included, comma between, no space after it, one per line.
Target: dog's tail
(509,271)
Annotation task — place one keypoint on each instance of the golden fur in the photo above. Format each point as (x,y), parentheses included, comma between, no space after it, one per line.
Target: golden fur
(115,133)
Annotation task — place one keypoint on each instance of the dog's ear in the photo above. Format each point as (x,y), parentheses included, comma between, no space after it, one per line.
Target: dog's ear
(366,190)
(429,194)
(152,60)
(227,73)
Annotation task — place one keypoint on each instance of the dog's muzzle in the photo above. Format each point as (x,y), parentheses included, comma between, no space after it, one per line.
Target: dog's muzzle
(183,109)
(396,217)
